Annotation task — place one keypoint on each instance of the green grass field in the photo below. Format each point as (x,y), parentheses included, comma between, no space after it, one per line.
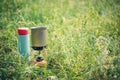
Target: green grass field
(83,39)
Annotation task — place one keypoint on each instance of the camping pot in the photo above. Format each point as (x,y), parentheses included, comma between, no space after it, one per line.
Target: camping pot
(38,35)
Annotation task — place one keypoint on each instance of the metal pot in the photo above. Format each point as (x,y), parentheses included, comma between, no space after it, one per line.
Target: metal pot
(39,35)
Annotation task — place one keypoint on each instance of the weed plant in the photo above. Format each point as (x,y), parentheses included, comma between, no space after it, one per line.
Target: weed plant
(83,39)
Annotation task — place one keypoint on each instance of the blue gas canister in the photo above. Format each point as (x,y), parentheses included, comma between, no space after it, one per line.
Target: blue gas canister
(24,42)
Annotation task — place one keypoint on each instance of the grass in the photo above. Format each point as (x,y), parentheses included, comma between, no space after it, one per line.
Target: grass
(83,39)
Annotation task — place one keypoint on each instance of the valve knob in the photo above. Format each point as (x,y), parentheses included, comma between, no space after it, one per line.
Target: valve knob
(40,62)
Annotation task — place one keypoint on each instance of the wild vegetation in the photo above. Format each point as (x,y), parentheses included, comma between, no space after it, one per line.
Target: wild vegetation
(83,39)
